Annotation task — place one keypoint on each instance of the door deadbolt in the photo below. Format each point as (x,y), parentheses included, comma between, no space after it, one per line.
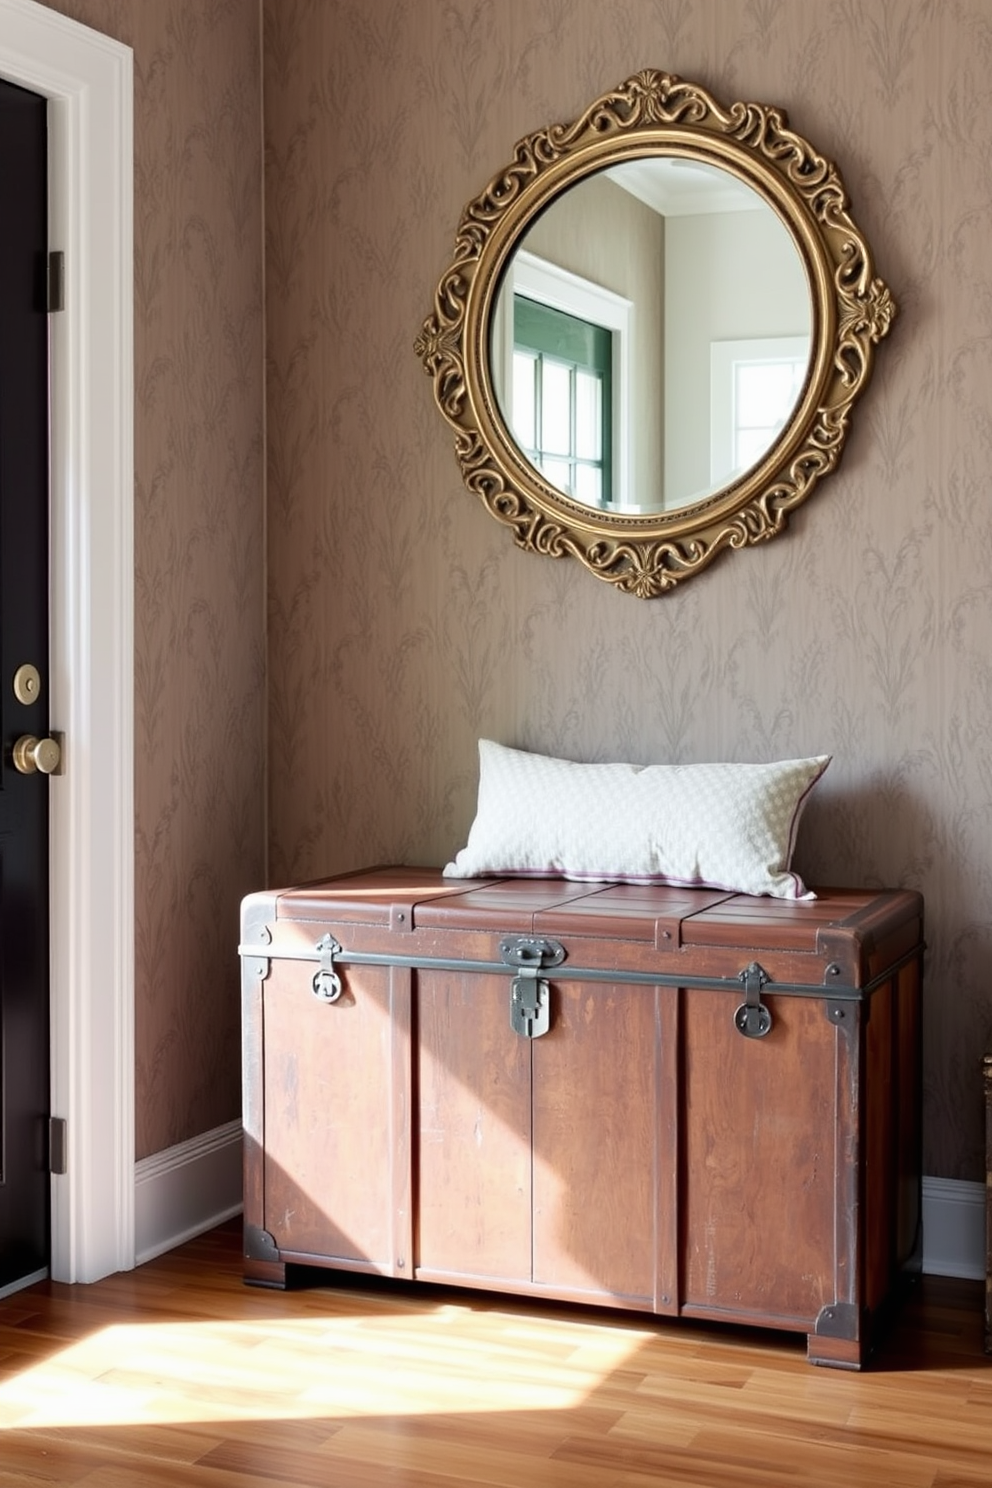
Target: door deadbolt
(33,755)
(27,684)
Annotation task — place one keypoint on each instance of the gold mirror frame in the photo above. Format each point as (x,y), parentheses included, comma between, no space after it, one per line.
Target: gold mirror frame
(656,113)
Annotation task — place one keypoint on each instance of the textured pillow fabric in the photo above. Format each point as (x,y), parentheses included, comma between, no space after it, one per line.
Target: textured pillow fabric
(727,826)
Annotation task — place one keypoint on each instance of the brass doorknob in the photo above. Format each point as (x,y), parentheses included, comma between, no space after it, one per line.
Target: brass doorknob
(31,754)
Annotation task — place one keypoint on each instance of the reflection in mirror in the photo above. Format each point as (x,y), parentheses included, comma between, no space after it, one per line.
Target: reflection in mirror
(651,337)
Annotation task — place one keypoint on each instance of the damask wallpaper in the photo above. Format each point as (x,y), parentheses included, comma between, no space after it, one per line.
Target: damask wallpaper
(403,624)
(199,543)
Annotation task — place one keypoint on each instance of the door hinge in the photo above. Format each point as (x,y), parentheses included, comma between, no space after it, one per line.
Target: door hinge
(57,1145)
(56,281)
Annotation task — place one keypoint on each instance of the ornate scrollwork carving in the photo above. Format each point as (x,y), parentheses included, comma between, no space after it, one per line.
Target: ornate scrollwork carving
(655,113)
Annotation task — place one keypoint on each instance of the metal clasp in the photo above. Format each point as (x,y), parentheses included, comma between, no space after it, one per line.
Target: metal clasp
(752,1018)
(530,993)
(326,982)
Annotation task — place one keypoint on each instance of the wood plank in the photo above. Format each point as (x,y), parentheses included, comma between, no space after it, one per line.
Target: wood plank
(759,1120)
(329,1076)
(473,1136)
(596,1143)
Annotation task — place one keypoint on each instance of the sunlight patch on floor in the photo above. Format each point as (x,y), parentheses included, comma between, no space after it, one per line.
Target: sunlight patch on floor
(298,1369)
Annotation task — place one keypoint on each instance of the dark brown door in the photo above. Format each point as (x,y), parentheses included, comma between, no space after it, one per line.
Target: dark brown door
(24,1018)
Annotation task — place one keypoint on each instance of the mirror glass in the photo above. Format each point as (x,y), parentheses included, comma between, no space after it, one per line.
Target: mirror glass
(651,335)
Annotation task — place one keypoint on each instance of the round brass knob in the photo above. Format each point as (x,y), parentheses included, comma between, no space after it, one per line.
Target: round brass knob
(31,754)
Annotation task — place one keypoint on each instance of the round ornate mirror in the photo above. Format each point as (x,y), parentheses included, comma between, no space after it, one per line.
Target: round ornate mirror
(653,330)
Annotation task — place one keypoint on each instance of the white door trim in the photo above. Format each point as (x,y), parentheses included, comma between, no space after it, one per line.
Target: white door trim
(88,79)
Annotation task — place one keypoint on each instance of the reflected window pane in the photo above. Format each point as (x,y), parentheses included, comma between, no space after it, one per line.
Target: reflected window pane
(558,473)
(588,415)
(765,392)
(589,483)
(525,398)
(556,407)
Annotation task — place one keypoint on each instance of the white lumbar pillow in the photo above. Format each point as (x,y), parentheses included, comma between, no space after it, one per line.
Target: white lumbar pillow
(728,826)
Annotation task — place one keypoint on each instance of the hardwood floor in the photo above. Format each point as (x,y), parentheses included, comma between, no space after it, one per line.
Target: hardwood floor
(178,1374)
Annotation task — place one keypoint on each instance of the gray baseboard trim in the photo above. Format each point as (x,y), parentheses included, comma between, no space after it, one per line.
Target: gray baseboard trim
(185,1190)
(954,1228)
(24,1281)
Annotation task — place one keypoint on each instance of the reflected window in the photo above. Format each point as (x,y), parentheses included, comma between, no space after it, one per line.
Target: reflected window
(755,386)
(563,399)
(560,353)
(765,393)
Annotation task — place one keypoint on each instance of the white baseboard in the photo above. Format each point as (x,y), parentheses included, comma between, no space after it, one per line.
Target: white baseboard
(954,1228)
(185,1190)
(189,1188)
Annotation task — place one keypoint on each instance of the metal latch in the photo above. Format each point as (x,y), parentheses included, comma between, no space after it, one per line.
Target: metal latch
(752,1018)
(326,982)
(530,993)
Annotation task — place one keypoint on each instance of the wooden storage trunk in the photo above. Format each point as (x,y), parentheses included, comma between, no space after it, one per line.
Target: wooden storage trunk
(679,1101)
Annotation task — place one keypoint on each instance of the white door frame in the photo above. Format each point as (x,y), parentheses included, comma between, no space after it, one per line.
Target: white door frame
(87,78)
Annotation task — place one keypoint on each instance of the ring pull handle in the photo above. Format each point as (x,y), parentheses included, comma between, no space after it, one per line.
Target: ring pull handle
(753,1018)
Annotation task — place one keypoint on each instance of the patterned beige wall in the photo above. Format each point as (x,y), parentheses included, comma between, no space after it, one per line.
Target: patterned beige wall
(404,624)
(199,542)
